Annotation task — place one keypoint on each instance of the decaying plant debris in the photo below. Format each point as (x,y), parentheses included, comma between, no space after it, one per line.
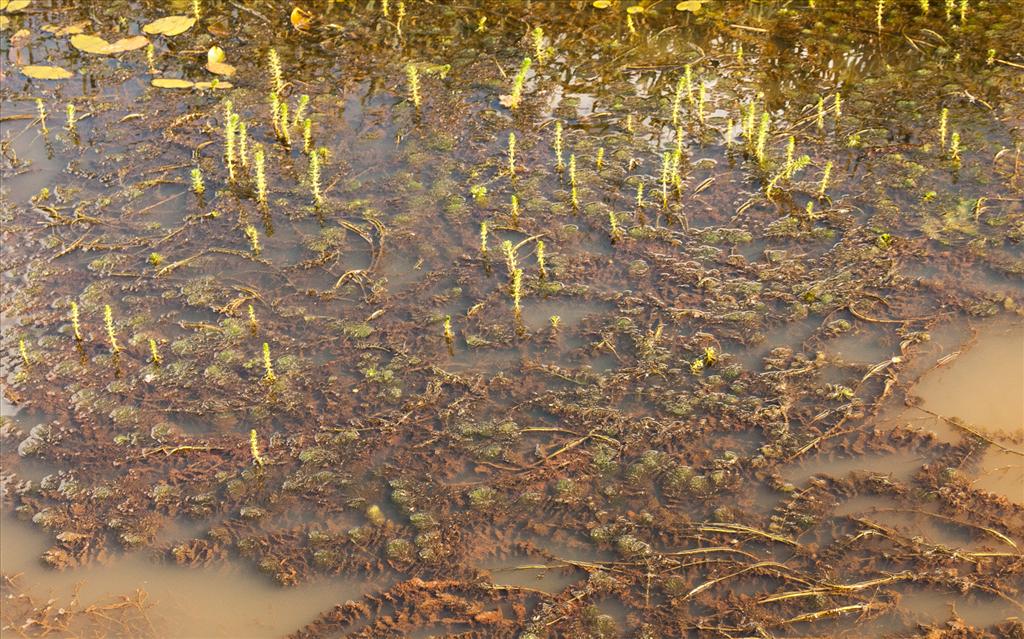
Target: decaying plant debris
(260,297)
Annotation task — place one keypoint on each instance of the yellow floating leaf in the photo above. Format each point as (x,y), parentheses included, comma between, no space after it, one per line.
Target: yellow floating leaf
(689,5)
(15,5)
(71,29)
(169,26)
(220,68)
(216,84)
(44,72)
(90,44)
(215,54)
(20,38)
(4,22)
(172,83)
(128,44)
(635,9)
(301,19)
(602,4)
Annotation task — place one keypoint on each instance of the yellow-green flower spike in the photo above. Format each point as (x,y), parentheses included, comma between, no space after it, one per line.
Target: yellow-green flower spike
(108,322)
(541,265)
(483,237)
(261,175)
(268,366)
(76,326)
(512,154)
(414,84)
(276,75)
(154,354)
(254,448)
(24,352)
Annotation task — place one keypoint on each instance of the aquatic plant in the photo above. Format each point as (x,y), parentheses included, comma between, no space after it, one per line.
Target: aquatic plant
(283,129)
(837,107)
(512,154)
(414,84)
(385,8)
(555,321)
(230,128)
(821,114)
(300,110)
(640,195)
(677,99)
(510,257)
(963,11)
(515,211)
(762,137)
(108,323)
(826,174)
(70,125)
(243,143)
(572,181)
(517,84)
(76,327)
(954,147)
(261,175)
(399,16)
(151,59)
(701,99)
(154,354)
(517,290)
(449,336)
(254,323)
(478,192)
(483,237)
(268,366)
(615,232)
(314,179)
(254,449)
(307,136)
(197,9)
(276,74)
(925,6)
(599,162)
(879,14)
(538,44)
(23,351)
(253,236)
(541,266)
(728,133)
(790,150)
(41,110)
(666,167)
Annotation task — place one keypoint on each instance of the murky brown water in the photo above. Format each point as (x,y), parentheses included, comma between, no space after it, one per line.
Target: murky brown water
(715,412)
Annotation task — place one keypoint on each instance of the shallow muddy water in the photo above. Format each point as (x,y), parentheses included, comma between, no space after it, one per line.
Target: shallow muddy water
(512,319)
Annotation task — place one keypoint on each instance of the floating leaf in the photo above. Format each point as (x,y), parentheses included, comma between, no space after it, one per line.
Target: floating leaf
(14,5)
(20,38)
(99,46)
(43,72)
(602,4)
(690,5)
(4,22)
(169,26)
(301,19)
(215,54)
(71,29)
(220,68)
(635,9)
(172,83)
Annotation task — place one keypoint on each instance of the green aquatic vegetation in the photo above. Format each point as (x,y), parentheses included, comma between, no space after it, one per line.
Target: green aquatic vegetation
(478,193)
(701,100)
(925,6)
(413,77)
(483,238)
(677,99)
(284,131)
(71,121)
(449,336)
(151,59)
(300,110)
(154,353)
(197,9)
(243,144)
(599,161)
(515,211)
(954,147)
(837,107)
(517,84)
(539,50)
(253,236)
(399,17)
(790,150)
(666,168)
(268,366)
(541,266)
(76,327)
(963,11)
(820,120)
(23,351)
(261,175)
(728,133)
(825,175)
(555,321)
(510,257)
(230,129)
(314,179)
(108,323)
(517,290)
(254,324)
(762,137)
(155,259)
(254,449)
(615,231)
(276,74)
(512,154)
(879,14)
(307,137)
(41,111)
(639,195)
(572,182)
